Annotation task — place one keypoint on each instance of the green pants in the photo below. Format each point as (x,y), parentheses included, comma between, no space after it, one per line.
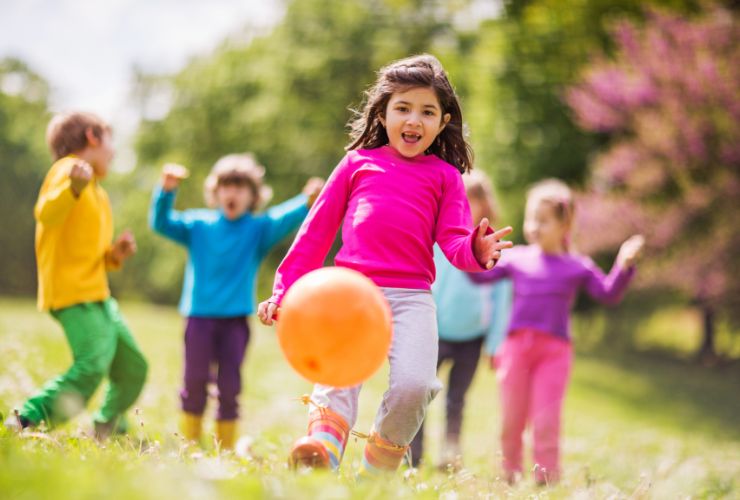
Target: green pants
(102,345)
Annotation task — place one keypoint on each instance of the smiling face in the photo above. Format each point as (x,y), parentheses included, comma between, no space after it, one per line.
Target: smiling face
(412,120)
(234,199)
(544,228)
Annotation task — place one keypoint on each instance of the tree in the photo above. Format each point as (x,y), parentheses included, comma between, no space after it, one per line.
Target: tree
(669,102)
(283,96)
(24,161)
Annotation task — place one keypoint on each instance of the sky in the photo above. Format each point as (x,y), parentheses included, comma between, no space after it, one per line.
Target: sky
(87,49)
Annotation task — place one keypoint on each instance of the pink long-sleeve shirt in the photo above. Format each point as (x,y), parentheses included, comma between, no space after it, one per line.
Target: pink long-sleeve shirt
(394,209)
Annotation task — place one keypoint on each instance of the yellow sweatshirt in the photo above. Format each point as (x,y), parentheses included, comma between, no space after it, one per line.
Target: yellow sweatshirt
(73,240)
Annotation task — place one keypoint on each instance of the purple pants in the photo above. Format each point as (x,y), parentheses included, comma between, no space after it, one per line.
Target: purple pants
(214,348)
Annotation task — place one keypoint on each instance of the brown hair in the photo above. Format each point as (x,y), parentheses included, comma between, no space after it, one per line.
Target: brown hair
(418,71)
(478,187)
(66,132)
(242,170)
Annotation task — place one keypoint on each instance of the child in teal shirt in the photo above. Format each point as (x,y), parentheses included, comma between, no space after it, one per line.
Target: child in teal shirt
(469,317)
(226,245)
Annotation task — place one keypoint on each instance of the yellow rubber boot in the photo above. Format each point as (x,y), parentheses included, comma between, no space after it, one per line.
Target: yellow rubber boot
(191,426)
(226,433)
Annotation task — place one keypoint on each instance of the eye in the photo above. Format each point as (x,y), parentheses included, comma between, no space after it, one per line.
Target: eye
(402,109)
(429,112)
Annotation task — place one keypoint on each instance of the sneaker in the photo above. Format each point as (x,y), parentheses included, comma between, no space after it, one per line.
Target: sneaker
(16,422)
(309,452)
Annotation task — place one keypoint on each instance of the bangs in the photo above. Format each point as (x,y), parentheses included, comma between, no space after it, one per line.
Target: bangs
(235,178)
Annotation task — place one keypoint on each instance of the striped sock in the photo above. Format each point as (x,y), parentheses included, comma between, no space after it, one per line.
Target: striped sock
(331,430)
(380,455)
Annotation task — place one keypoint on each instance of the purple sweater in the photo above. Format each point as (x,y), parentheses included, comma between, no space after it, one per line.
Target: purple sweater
(394,209)
(545,286)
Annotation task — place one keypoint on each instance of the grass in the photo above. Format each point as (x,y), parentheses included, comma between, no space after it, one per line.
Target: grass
(636,426)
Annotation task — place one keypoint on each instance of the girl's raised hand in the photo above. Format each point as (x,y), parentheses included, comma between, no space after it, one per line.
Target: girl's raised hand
(172,174)
(267,312)
(487,247)
(631,250)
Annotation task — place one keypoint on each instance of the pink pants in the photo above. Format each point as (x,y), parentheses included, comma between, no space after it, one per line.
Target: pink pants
(533,370)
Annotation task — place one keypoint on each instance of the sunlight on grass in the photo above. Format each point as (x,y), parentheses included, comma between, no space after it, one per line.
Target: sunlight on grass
(638,427)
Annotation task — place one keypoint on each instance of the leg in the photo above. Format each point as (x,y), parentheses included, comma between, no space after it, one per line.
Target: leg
(198,354)
(231,345)
(413,379)
(514,386)
(465,364)
(549,381)
(127,371)
(93,343)
(465,358)
(417,444)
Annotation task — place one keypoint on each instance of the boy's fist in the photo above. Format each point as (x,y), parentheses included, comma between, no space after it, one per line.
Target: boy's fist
(631,250)
(312,189)
(124,247)
(79,176)
(172,174)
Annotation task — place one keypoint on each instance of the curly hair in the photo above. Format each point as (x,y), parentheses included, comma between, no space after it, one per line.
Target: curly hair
(238,169)
(67,132)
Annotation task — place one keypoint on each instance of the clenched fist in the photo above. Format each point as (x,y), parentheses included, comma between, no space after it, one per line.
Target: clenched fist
(79,176)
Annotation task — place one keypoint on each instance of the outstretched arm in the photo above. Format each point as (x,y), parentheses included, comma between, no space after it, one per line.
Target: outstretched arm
(471,250)
(314,238)
(162,217)
(284,218)
(610,289)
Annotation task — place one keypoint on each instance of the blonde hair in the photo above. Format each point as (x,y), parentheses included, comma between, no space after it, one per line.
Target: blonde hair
(478,186)
(240,169)
(67,132)
(559,196)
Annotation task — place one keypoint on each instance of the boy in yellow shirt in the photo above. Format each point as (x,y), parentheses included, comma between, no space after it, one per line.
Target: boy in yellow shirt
(74,249)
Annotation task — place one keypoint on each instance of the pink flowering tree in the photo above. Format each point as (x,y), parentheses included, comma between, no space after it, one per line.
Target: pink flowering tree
(668,100)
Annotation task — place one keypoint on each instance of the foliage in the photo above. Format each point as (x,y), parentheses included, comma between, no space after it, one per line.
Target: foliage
(669,99)
(23,163)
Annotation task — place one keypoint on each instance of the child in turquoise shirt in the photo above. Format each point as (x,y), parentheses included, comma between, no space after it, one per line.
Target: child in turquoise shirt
(225,245)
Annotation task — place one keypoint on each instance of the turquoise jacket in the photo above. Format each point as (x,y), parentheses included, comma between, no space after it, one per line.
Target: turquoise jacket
(465,310)
(223,255)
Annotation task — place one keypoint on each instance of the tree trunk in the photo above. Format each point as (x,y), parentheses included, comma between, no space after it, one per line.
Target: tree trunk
(707,352)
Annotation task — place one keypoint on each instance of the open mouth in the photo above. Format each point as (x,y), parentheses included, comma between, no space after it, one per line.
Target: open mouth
(230,206)
(410,137)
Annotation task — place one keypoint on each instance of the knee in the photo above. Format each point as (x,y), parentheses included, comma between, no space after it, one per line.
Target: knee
(417,391)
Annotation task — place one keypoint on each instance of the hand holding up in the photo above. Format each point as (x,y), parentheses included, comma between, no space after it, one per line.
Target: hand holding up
(631,250)
(172,174)
(312,189)
(267,312)
(79,176)
(124,247)
(487,247)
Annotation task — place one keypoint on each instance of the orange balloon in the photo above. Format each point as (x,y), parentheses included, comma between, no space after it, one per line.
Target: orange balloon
(334,327)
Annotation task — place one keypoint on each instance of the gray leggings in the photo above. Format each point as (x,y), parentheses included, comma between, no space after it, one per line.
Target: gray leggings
(413,379)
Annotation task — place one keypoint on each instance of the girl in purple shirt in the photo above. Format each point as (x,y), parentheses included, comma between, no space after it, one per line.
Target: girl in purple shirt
(396,192)
(533,364)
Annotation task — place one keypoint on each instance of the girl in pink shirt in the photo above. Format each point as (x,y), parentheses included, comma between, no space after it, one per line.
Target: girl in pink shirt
(397,191)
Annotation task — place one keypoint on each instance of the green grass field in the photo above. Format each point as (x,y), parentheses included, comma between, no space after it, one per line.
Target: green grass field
(636,426)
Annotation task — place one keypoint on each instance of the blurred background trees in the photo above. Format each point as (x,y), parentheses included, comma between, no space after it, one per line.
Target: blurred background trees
(523,69)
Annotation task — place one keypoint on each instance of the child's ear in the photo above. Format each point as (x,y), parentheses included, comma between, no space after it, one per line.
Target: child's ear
(381,119)
(445,120)
(92,139)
